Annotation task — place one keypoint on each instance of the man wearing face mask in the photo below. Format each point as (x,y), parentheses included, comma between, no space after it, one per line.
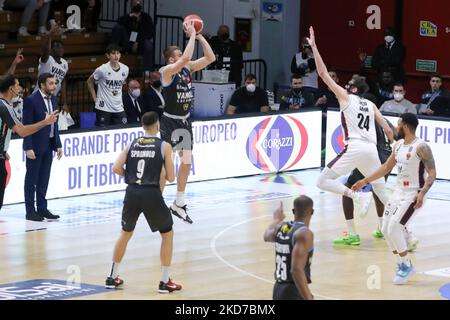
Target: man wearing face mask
(249,98)
(399,104)
(436,101)
(390,56)
(227,50)
(133,102)
(296,98)
(153,98)
(135,33)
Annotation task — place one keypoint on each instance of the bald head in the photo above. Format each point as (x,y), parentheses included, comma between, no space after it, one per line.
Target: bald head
(133,85)
(303,206)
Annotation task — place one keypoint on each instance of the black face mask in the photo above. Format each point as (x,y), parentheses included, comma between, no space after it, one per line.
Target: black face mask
(137,8)
(297,90)
(224,36)
(157,84)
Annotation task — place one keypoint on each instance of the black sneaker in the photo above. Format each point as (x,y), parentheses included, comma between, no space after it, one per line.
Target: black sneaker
(168,287)
(33,216)
(111,283)
(180,212)
(48,215)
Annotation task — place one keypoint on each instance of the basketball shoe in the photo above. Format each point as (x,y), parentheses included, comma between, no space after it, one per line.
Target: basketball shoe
(168,287)
(111,283)
(180,212)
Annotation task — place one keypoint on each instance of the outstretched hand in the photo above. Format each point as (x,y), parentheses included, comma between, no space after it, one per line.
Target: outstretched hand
(190,29)
(312,39)
(279,214)
(359,185)
(19,56)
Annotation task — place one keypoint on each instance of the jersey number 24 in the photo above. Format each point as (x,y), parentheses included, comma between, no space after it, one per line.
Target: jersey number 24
(363,121)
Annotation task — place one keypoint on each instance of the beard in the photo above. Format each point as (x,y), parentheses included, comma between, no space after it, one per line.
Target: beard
(400,134)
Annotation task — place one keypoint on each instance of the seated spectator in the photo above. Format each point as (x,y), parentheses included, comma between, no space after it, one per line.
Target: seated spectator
(28,7)
(399,104)
(227,50)
(303,63)
(90,12)
(385,88)
(134,33)
(153,98)
(296,98)
(329,99)
(133,102)
(249,98)
(436,100)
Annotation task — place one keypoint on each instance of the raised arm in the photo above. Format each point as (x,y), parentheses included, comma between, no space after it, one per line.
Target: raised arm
(271,231)
(383,124)
(341,93)
(17,60)
(425,154)
(171,69)
(26,130)
(303,241)
(208,58)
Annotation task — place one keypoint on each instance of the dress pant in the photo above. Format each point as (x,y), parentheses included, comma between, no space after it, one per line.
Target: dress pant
(36,180)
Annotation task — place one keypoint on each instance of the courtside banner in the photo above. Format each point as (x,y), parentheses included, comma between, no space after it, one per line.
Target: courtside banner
(222,149)
(435,133)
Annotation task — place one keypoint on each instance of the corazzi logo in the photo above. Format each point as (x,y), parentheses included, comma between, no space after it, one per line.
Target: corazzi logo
(337,140)
(277,143)
(46,289)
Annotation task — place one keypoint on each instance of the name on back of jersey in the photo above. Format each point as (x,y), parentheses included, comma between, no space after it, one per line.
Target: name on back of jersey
(282,248)
(363,106)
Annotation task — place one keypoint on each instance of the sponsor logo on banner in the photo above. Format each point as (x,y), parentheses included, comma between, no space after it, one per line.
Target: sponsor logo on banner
(277,143)
(46,289)
(337,140)
(428,29)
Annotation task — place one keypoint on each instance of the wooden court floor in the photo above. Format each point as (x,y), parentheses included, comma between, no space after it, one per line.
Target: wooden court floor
(222,255)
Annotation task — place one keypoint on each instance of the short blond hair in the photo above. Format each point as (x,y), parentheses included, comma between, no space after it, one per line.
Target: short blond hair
(169,51)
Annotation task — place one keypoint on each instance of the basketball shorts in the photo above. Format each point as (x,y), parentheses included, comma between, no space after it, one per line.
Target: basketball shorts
(357,154)
(356,175)
(147,200)
(110,118)
(286,291)
(179,139)
(400,207)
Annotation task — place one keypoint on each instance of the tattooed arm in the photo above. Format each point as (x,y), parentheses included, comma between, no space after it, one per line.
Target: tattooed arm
(425,154)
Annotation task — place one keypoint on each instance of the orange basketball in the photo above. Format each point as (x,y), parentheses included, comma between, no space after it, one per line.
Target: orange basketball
(198,22)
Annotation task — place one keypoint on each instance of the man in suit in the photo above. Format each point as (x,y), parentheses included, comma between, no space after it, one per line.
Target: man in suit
(153,98)
(133,103)
(39,148)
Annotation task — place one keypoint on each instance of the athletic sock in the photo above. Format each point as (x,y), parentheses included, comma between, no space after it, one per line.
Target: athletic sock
(351,226)
(180,199)
(165,274)
(114,270)
(380,223)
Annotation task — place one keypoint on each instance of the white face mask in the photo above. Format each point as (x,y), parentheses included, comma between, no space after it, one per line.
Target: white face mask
(398,97)
(136,93)
(389,39)
(251,87)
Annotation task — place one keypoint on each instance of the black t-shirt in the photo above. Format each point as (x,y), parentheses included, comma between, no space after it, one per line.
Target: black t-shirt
(7,121)
(144,161)
(246,102)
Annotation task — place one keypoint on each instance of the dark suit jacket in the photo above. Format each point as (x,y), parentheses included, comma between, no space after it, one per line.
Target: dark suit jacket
(131,111)
(152,102)
(391,60)
(34,110)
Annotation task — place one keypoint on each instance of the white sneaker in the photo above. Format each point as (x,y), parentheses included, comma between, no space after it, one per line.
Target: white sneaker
(404,273)
(363,202)
(42,31)
(180,212)
(23,32)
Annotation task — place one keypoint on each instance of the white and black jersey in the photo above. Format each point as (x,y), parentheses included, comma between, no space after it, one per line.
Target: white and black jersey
(110,83)
(58,70)
(7,121)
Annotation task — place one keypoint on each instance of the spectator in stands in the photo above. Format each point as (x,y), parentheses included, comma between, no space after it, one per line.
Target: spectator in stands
(153,98)
(39,149)
(133,102)
(17,60)
(296,98)
(52,62)
(28,7)
(390,56)
(385,87)
(135,33)
(90,12)
(329,99)
(436,100)
(227,50)
(303,63)
(399,104)
(249,98)
(110,78)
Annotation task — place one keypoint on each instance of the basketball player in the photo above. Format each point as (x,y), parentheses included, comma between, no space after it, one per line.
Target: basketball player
(293,251)
(175,121)
(144,159)
(413,159)
(358,116)
(52,62)
(110,78)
